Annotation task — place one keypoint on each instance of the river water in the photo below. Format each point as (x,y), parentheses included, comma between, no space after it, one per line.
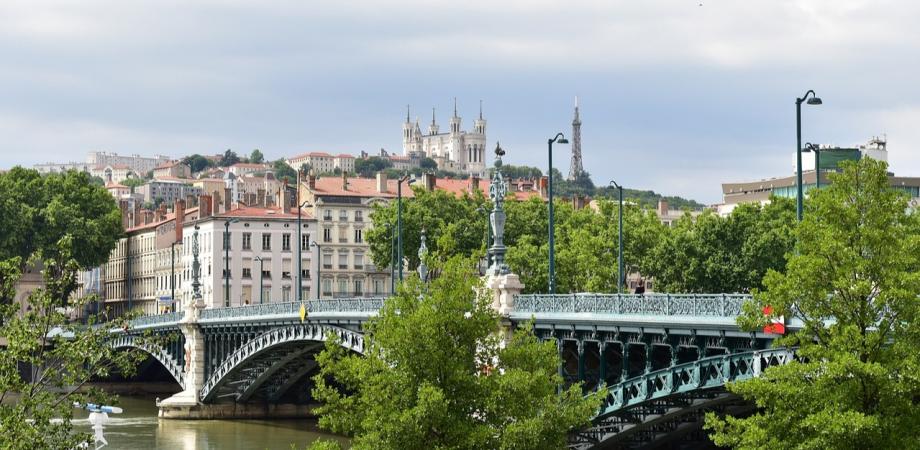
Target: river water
(139,428)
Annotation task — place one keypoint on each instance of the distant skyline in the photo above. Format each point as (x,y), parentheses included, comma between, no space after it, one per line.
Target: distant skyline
(675,96)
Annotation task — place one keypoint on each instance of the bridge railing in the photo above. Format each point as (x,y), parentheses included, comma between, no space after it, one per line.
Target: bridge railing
(693,305)
(156,319)
(346,305)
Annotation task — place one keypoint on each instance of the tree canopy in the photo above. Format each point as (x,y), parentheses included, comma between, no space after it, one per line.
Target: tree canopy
(434,375)
(852,280)
(229,158)
(283,171)
(368,167)
(197,162)
(37,210)
(256,157)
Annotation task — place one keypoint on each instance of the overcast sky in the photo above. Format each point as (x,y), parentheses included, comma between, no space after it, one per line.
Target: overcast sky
(676,95)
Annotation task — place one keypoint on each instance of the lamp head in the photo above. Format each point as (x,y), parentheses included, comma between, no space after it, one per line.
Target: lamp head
(814,101)
(562,141)
(614,184)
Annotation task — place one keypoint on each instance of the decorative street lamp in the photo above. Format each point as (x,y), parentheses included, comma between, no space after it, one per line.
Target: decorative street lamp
(560,138)
(422,254)
(814,100)
(261,274)
(300,245)
(809,147)
(620,275)
(227,260)
(497,192)
(399,242)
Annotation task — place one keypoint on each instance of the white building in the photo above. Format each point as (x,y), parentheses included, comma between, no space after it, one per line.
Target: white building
(455,150)
(140,165)
(323,163)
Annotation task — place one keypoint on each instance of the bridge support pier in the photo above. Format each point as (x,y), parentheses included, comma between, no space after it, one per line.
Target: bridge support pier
(181,405)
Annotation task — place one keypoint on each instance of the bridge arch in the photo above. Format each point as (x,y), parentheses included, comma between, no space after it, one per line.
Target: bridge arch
(268,356)
(172,365)
(647,407)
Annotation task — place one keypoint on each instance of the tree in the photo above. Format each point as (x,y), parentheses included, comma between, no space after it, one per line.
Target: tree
(197,162)
(133,183)
(62,357)
(37,210)
(434,375)
(428,164)
(526,172)
(256,157)
(283,171)
(852,281)
(229,158)
(454,225)
(368,167)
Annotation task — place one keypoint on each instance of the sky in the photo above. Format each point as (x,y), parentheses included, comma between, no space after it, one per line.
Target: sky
(676,96)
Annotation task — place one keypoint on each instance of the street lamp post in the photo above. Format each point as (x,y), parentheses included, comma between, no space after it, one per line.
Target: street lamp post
(620,274)
(172,275)
(319,261)
(560,138)
(809,147)
(813,100)
(399,242)
(300,245)
(261,274)
(227,260)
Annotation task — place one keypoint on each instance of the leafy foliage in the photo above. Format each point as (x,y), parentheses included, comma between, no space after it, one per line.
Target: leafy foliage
(283,171)
(435,376)
(133,183)
(853,281)
(428,164)
(37,210)
(229,158)
(368,167)
(526,172)
(197,162)
(256,157)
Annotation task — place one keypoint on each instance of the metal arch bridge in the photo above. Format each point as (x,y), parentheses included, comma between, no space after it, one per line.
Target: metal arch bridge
(665,358)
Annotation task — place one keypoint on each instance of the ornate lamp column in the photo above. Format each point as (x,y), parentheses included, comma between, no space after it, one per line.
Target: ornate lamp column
(422,253)
(504,284)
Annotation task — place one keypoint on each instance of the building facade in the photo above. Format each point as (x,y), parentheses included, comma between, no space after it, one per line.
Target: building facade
(172,169)
(456,150)
(138,164)
(168,191)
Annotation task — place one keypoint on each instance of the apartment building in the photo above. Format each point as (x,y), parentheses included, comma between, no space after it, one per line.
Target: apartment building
(168,190)
(321,162)
(172,169)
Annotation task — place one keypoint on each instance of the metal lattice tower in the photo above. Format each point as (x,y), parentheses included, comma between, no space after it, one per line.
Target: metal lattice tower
(575,168)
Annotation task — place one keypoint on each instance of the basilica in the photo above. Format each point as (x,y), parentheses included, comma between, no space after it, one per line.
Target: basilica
(455,151)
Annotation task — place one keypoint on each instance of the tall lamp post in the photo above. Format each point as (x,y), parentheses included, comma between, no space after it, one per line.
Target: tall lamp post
(261,275)
(620,274)
(227,261)
(319,261)
(813,100)
(172,275)
(559,138)
(399,242)
(809,147)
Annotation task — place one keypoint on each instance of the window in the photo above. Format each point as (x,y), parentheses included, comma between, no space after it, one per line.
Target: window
(305,292)
(286,275)
(286,294)
(359,287)
(359,261)
(327,214)
(378,286)
(343,261)
(267,294)
(226,241)
(304,242)
(266,274)
(358,237)
(343,216)
(226,273)
(327,287)
(305,274)
(247,241)
(359,216)
(327,234)
(327,261)
(343,237)
(286,242)
(266,241)
(343,286)
(247,272)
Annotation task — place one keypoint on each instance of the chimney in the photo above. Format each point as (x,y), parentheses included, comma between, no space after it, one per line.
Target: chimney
(138,216)
(204,206)
(216,202)
(227,200)
(474,183)
(190,201)
(123,207)
(180,218)
(344,181)
(662,207)
(260,201)
(381,182)
(428,181)
(160,213)
(311,180)
(544,182)
(148,217)
(284,200)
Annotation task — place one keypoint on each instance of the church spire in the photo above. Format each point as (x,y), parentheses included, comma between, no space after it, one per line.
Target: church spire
(407,114)
(480,109)
(455,106)
(575,167)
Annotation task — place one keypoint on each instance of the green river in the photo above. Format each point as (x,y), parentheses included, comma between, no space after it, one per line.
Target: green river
(139,428)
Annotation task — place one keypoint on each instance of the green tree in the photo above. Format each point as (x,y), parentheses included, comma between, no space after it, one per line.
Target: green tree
(454,225)
(37,409)
(368,167)
(283,171)
(36,211)
(197,162)
(434,375)
(229,158)
(133,183)
(526,172)
(852,281)
(256,157)
(428,164)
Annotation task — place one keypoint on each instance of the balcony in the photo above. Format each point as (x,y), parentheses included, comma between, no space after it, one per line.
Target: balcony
(343,266)
(327,266)
(327,218)
(359,267)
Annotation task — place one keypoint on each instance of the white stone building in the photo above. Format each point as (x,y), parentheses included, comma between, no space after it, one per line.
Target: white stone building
(456,150)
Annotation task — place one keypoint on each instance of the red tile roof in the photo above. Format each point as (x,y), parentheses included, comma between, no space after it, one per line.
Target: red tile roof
(312,154)
(250,165)
(345,155)
(256,212)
